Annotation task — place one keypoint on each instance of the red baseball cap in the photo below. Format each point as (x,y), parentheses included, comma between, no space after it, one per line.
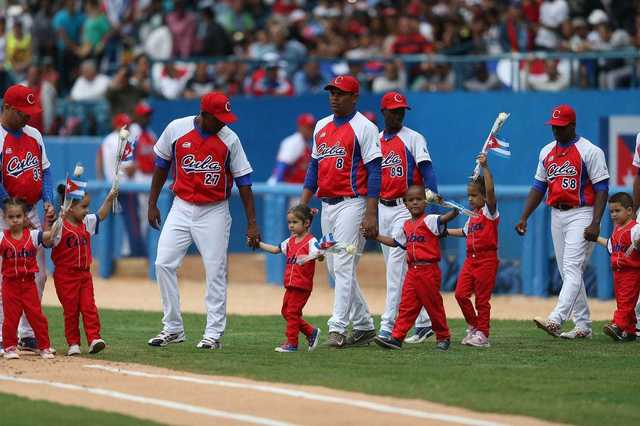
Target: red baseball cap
(394,100)
(306,119)
(23,99)
(346,83)
(218,105)
(142,108)
(120,120)
(562,115)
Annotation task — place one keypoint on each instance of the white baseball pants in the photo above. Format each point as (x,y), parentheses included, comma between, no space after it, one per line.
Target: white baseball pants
(24,329)
(572,255)
(390,222)
(208,226)
(344,220)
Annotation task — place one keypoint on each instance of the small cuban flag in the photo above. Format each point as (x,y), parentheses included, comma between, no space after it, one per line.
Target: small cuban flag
(75,189)
(127,152)
(499,147)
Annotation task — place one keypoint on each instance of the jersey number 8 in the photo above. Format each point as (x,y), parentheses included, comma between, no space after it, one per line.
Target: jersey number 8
(211,179)
(569,183)
(339,163)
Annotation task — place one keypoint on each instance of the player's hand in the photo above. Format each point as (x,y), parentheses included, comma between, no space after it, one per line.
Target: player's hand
(253,236)
(370,226)
(154,217)
(482,160)
(521,227)
(592,232)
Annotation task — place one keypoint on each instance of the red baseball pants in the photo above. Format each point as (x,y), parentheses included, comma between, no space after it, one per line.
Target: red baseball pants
(478,276)
(292,304)
(626,287)
(421,288)
(75,292)
(18,297)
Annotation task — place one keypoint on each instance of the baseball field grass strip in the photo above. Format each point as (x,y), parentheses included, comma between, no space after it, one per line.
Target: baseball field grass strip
(525,372)
(163,403)
(17,410)
(367,405)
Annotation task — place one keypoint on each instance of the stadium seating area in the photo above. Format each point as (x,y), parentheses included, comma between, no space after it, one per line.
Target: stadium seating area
(109,54)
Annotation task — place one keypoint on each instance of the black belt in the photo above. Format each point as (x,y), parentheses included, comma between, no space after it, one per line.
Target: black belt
(390,203)
(563,206)
(335,200)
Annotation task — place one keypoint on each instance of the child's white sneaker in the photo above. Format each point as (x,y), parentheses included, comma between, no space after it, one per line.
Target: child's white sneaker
(96,346)
(469,335)
(74,350)
(479,340)
(47,353)
(11,353)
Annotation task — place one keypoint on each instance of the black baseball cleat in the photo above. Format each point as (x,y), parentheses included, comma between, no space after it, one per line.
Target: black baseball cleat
(28,344)
(387,342)
(614,332)
(443,345)
(361,337)
(164,338)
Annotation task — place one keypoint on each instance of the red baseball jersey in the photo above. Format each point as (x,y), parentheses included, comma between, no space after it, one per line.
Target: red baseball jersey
(420,238)
(72,248)
(300,276)
(19,256)
(205,165)
(482,231)
(571,171)
(144,140)
(342,149)
(295,152)
(618,244)
(401,154)
(23,161)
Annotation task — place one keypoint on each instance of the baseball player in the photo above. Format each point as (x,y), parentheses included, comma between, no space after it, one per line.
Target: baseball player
(573,172)
(207,157)
(295,153)
(345,174)
(25,175)
(405,162)
(636,208)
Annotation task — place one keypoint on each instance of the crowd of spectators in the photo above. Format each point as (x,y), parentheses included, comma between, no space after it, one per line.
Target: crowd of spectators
(120,51)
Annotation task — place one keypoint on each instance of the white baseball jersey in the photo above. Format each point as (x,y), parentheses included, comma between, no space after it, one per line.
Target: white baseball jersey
(109,150)
(636,154)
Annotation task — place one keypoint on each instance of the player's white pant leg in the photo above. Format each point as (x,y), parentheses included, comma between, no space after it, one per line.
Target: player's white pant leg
(24,329)
(174,241)
(344,222)
(210,231)
(572,254)
(391,222)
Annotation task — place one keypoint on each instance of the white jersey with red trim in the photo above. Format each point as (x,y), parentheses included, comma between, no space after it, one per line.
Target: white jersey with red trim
(342,149)
(295,152)
(636,154)
(570,172)
(205,164)
(401,154)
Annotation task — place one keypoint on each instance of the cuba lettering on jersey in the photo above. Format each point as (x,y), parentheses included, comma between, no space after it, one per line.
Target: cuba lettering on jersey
(72,248)
(300,276)
(571,171)
(205,165)
(420,238)
(618,244)
(23,161)
(482,231)
(295,152)
(19,257)
(400,157)
(342,150)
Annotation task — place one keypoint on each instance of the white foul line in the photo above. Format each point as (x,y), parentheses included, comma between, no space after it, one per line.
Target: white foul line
(149,401)
(373,406)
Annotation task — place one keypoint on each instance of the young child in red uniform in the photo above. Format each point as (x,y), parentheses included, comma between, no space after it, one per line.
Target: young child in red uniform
(420,237)
(71,256)
(625,263)
(478,274)
(18,248)
(301,252)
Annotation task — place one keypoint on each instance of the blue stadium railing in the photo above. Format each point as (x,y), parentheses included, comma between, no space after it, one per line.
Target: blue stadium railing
(532,253)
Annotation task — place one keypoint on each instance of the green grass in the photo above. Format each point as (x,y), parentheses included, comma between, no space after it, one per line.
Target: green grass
(525,371)
(15,410)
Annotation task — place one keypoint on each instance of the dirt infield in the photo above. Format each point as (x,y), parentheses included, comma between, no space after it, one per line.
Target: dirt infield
(180,398)
(249,295)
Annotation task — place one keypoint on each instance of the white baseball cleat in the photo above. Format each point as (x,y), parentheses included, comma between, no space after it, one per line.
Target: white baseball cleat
(74,350)
(577,333)
(551,327)
(165,337)
(209,343)
(420,335)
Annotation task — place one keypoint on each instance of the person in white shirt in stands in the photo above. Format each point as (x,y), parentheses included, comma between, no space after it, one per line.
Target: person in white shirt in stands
(90,86)
(552,14)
